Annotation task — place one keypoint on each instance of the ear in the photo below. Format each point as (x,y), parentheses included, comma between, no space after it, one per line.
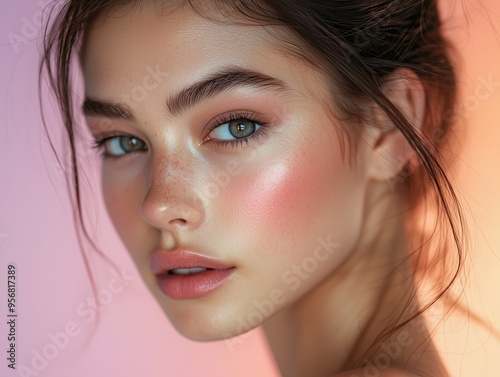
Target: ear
(389,151)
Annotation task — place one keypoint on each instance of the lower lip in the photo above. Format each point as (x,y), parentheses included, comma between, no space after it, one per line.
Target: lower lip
(184,287)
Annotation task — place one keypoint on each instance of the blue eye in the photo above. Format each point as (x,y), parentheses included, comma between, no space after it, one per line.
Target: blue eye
(234,129)
(116,146)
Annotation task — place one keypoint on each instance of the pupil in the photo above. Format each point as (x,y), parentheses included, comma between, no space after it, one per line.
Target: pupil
(241,128)
(129,143)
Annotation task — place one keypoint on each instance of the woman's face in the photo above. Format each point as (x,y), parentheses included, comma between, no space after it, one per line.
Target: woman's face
(228,159)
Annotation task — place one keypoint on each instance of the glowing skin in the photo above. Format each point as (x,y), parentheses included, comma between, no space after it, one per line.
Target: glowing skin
(261,207)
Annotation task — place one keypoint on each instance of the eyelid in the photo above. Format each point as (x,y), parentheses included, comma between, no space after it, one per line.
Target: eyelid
(223,119)
(101,139)
(234,115)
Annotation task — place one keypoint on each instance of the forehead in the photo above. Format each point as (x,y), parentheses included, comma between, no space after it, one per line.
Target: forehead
(132,43)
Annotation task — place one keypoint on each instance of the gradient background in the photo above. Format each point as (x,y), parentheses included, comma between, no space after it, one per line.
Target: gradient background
(133,338)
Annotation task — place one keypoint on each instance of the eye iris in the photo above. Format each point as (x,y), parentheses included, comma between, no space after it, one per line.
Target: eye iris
(130,143)
(241,128)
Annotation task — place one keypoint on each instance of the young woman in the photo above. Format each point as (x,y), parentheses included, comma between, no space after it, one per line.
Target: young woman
(277,164)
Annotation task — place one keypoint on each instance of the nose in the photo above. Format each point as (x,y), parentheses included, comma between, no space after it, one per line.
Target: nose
(171,202)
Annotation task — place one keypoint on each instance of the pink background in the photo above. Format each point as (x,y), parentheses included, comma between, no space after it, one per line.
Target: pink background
(133,337)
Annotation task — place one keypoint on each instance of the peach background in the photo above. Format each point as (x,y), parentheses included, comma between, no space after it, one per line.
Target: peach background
(133,338)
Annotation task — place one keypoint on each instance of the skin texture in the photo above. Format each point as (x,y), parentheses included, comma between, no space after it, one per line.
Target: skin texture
(283,191)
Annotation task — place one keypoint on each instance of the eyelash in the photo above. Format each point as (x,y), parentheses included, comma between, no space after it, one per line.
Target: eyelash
(234,116)
(100,140)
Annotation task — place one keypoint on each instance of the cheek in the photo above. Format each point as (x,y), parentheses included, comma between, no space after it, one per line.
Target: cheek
(272,195)
(279,209)
(119,213)
(123,195)
(287,203)
(279,196)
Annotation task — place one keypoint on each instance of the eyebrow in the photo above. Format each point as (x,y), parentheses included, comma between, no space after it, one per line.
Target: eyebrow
(216,83)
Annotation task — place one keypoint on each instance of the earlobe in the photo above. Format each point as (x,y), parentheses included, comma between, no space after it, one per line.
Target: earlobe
(389,149)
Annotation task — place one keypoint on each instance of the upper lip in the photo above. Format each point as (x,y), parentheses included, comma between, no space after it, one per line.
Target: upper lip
(163,261)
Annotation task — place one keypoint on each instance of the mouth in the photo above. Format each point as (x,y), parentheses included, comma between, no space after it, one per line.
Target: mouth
(183,275)
(188,271)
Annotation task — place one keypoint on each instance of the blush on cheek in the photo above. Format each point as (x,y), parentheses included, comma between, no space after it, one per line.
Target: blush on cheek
(275,196)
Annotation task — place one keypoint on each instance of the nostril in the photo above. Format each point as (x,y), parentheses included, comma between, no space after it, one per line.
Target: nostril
(178,221)
(169,210)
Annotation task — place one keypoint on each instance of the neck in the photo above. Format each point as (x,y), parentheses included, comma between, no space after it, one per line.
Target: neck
(333,326)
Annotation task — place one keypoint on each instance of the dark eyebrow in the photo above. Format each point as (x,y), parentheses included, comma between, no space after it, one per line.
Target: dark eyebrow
(107,109)
(218,82)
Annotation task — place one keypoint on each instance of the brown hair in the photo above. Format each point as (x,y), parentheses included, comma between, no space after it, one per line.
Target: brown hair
(357,44)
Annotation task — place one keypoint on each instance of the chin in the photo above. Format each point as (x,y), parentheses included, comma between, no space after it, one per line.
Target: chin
(200,322)
(208,331)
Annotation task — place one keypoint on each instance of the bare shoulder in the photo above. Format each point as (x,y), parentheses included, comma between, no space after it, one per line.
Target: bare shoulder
(367,372)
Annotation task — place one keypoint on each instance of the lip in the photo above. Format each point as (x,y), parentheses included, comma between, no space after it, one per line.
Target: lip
(192,286)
